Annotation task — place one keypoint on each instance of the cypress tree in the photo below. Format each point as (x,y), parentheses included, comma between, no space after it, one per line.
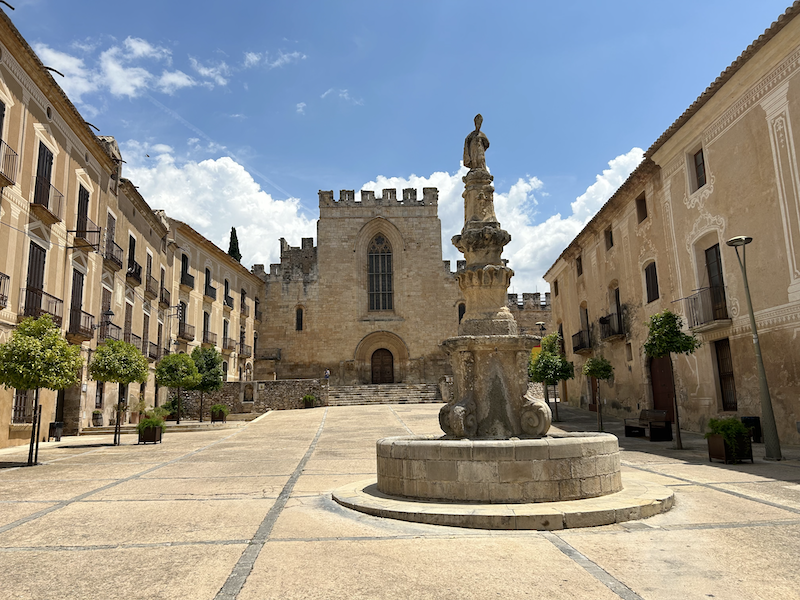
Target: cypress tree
(233,249)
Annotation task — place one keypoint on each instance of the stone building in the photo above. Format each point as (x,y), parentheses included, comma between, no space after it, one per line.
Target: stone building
(727,167)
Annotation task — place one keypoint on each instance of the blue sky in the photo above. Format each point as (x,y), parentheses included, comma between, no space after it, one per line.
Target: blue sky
(236,113)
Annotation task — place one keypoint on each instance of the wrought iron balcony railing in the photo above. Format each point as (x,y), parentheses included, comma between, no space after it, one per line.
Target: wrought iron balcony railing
(258,315)
(8,165)
(245,351)
(187,280)
(581,341)
(35,303)
(4,279)
(209,338)
(210,291)
(186,332)
(244,309)
(48,202)
(86,233)
(164,352)
(134,274)
(228,301)
(706,307)
(109,331)
(164,298)
(151,287)
(113,255)
(611,326)
(133,340)
(152,351)
(229,345)
(81,324)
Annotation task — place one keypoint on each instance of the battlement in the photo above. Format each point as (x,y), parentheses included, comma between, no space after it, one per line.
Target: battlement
(529,301)
(296,263)
(409,197)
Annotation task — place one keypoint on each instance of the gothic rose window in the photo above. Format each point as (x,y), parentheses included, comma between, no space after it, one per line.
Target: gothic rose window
(379,268)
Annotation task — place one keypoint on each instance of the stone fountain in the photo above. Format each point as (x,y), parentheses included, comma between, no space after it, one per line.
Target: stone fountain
(496,452)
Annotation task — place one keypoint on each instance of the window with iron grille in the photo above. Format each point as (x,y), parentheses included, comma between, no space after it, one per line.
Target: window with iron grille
(22,407)
(379,263)
(651,282)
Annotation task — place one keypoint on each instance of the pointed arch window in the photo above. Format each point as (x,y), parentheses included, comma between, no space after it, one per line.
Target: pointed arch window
(379,268)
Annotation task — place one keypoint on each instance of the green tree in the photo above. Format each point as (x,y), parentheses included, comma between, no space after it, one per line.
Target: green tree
(177,371)
(35,357)
(664,339)
(209,366)
(599,368)
(549,366)
(121,363)
(233,248)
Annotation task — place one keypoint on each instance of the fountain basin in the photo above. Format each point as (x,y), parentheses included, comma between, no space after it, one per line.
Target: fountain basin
(553,468)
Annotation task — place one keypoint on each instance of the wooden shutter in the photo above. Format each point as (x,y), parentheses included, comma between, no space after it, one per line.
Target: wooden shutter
(83,210)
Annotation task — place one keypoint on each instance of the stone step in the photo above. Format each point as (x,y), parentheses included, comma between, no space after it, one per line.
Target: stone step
(393,393)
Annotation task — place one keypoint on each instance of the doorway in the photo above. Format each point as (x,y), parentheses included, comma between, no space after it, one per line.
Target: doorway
(382,366)
(663,387)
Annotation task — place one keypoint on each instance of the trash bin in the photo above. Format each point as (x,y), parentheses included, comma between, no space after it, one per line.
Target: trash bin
(56,431)
(754,423)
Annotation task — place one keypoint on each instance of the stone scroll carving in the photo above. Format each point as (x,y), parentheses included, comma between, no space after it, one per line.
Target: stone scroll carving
(536,416)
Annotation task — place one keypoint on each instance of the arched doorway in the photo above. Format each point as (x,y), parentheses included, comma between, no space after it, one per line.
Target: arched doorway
(382,366)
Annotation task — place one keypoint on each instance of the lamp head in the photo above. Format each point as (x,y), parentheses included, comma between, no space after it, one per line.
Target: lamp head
(739,240)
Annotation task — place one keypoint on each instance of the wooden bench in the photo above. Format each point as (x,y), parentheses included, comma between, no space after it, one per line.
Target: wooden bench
(654,420)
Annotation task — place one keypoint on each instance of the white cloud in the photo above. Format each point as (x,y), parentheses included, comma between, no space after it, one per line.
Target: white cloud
(344,95)
(78,78)
(301,108)
(122,80)
(327,93)
(172,81)
(251,59)
(214,195)
(217,73)
(284,59)
(139,48)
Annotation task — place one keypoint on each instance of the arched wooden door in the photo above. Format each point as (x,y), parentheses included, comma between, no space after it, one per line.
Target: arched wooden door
(663,387)
(382,366)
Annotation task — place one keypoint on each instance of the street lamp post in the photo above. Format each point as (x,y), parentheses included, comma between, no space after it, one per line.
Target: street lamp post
(772,443)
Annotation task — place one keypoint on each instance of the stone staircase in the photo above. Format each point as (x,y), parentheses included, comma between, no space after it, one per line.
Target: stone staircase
(390,393)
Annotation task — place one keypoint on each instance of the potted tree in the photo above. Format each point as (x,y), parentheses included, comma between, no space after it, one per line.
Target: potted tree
(151,427)
(219,412)
(599,368)
(137,410)
(209,366)
(728,440)
(549,366)
(35,357)
(309,400)
(665,338)
(121,363)
(177,371)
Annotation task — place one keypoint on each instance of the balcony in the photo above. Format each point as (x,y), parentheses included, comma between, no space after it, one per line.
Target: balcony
(164,298)
(707,309)
(581,342)
(134,273)
(4,279)
(187,281)
(611,327)
(112,257)
(258,315)
(244,309)
(134,340)
(87,234)
(35,303)
(150,287)
(81,326)
(164,351)
(245,351)
(48,202)
(109,331)
(209,339)
(227,302)
(269,354)
(152,351)
(185,332)
(8,165)
(228,345)
(210,292)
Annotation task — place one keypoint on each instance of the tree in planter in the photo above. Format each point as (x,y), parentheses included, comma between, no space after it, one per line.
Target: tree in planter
(549,366)
(209,366)
(666,338)
(599,368)
(37,357)
(121,363)
(177,371)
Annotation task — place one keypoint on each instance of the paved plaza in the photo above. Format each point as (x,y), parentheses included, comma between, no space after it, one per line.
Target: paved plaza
(247,513)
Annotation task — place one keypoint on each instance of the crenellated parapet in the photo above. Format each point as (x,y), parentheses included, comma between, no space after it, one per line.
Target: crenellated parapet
(529,301)
(297,264)
(389,197)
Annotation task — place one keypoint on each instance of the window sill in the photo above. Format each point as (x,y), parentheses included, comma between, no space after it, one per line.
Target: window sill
(382,317)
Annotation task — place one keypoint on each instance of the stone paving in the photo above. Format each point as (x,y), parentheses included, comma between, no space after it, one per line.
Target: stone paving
(247,513)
